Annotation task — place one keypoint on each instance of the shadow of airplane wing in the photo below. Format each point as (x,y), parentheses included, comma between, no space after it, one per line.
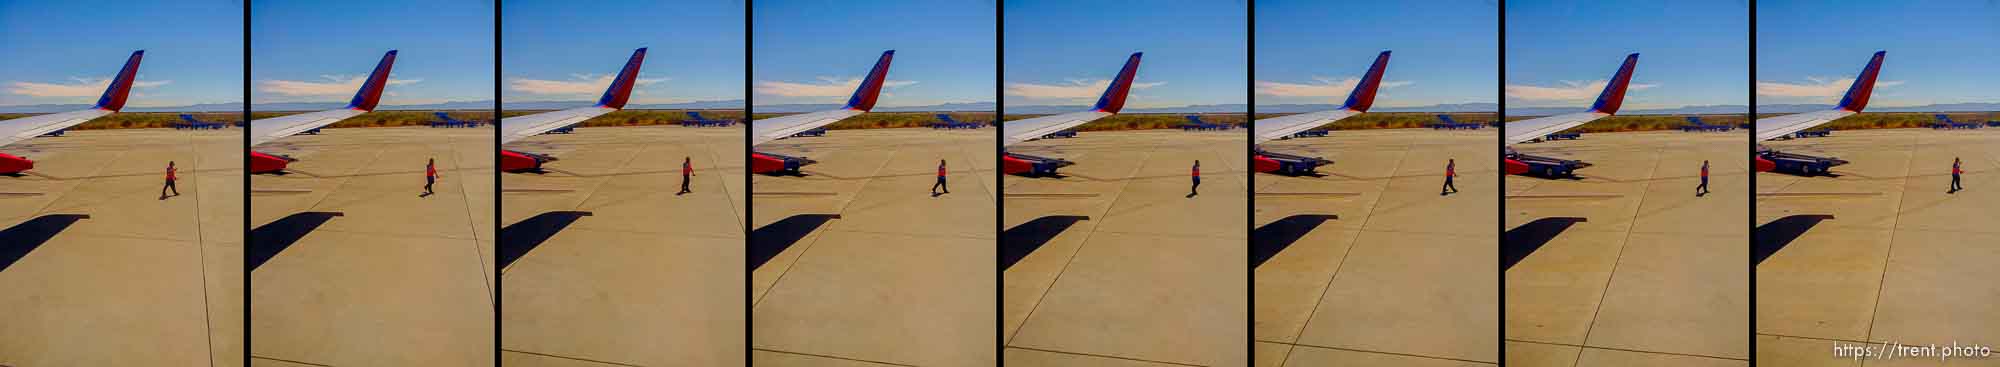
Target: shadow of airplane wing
(17,241)
(1018,242)
(523,236)
(267,240)
(1768,238)
(768,241)
(1519,242)
(1268,240)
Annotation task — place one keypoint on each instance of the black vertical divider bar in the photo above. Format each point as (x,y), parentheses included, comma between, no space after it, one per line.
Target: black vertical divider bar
(498,285)
(749,201)
(1500,141)
(246,182)
(1750,146)
(1249,176)
(999,180)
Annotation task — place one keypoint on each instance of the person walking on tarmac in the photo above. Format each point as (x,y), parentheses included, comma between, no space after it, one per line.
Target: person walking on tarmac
(1699,191)
(430,176)
(170,181)
(1450,171)
(940,181)
(687,169)
(1195,189)
(1955,171)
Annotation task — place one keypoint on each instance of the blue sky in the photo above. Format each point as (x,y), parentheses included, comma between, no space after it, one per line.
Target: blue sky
(1314,52)
(1065,52)
(810,51)
(318,51)
(1692,53)
(65,52)
(560,51)
(1938,51)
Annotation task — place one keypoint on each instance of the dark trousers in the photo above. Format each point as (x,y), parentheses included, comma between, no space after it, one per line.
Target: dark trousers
(1197,185)
(684,184)
(1704,186)
(940,184)
(1954,183)
(428,181)
(177,190)
(1448,185)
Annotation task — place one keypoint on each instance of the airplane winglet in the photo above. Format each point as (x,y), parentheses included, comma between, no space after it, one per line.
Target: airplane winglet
(1114,96)
(121,85)
(871,87)
(1363,95)
(371,90)
(1614,92)
(1864,85)
(621,88)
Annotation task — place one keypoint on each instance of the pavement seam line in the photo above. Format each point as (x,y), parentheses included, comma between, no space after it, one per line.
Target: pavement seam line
(1622,244)
(201,252)
(568,357)
(759,299)
(1030,316)
(1107,356)
(1330,279)
(1890,253)
(829,357)
(471,226)
(1288,355)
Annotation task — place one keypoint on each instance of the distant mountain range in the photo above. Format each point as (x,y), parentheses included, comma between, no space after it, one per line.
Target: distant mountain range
(1684,110)
(1448,107)
(1947,107)
(53,108)
(814,107)
(733,104)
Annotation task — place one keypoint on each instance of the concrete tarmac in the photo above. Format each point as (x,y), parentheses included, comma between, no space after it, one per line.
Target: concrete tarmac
(605,262)
(144,280)
(901,276)
(1881,251)
(396,278)
(1369,264)
(1627,266)
(1118,264)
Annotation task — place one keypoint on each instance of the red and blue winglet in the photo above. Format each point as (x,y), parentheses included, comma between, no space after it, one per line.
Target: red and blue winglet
(621,88)
(1114,96)
(864,96)
(1614,92)
(121,86)
(1363,95)
(371,90)
(1864,85)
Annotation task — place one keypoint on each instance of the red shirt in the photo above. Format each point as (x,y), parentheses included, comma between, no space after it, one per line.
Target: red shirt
(1197,171)
(940,170)
(687,168)
(1704,171)
(170,173)
(1451,170)
(430,170)
(1955,170)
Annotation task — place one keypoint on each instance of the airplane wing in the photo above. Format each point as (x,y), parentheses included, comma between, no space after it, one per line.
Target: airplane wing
(1280,127)
(1108,104)
(1851,103)
(1775,127)
(766,130)
(1525,130)
(1358,102)
(16,130)
(266,130)
(1607,104)
(615,96)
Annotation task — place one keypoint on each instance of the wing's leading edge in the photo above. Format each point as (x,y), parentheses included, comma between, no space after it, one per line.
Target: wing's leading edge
(863,100)
(266,130)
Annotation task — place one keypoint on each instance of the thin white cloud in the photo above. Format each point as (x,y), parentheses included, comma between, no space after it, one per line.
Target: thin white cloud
(1324,87)
(826,87)
(331,85)
(1569,91)
(81,87)
(577,84)
(1070,89)
(1814,87)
